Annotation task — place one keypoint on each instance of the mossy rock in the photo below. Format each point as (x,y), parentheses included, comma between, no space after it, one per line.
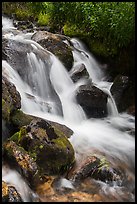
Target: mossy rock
(19,119)
(18,158)
(54,43)
(47,145)
(94,167)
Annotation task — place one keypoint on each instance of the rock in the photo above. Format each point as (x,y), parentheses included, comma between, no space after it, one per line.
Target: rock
(10,194)
(93,101)
(63,128)
(18,158)
(94,167)
(4,45)
(80,72)
(47,145)
(11,99)
(55,44)
(123,91)
(22,25)
(19,119)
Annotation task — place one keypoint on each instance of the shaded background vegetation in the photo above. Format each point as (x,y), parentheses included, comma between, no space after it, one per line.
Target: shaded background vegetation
(108,28)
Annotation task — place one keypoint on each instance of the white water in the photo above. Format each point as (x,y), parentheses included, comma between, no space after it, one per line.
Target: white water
(106,135)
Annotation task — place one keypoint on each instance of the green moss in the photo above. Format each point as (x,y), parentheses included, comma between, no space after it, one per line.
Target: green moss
(15,137)
(19,119)
(103,164)
(18,135)
(41,146)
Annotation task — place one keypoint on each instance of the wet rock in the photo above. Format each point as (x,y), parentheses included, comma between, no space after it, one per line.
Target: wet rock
(18,51)
(19,119)
(77,196)
(17,157)
(21,54)
(11,99)
(22,25)
(80,72)
(123,91)
(63,128)
(4,45)
(94,167)
(92,100)
(55,44)
(47,145)
(10,194)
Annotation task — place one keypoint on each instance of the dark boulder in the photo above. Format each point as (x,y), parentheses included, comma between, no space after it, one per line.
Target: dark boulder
(123,91)
(93,101)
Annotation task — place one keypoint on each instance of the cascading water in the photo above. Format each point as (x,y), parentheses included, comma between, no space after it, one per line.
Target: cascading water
(41,91)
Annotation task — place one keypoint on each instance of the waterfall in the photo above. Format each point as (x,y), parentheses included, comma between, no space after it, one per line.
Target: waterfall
(47,91)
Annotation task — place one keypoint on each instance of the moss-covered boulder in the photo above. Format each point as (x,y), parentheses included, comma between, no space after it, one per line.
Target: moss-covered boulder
(55,44)
(18,119)
(10,194)
(47,145)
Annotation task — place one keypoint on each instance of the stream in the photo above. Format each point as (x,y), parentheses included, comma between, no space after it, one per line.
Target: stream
(53,97)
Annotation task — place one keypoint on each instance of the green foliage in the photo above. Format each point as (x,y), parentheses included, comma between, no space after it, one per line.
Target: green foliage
(112,23)
(43,19)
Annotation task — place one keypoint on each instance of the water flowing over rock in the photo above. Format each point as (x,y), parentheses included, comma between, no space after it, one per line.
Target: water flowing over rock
(65,139)
(79,72)
(92,100)
(54,44)
(94,167)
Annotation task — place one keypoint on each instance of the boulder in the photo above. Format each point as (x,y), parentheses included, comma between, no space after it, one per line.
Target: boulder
(94,167)
(92,100)
(123,91)
(46,145)
(55,44)
(4,45)
(11,99)
(18,158)
(19,119)
(79,72)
